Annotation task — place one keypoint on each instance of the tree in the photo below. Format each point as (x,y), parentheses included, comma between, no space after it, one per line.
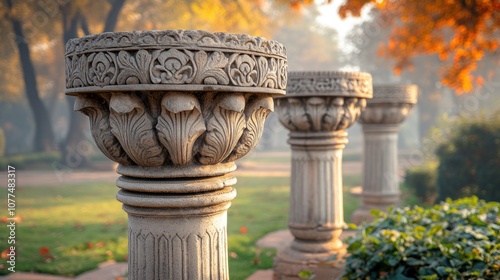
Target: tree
(459,32)
(74,17)
(44,136)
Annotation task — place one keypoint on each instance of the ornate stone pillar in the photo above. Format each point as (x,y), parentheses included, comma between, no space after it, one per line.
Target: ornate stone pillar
(319,106)
(175,109)
(388,108)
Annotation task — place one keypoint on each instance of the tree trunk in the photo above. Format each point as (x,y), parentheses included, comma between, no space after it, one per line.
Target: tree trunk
(75,151)
(44,136)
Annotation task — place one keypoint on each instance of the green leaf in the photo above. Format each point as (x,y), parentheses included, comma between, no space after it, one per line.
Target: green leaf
(305,274)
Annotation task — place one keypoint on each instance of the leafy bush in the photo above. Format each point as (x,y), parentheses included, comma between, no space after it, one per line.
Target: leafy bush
(452,240)
(422,181)
(469,163)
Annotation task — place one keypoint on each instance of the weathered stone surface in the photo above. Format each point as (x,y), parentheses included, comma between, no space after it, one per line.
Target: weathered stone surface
(389,107)
(319,106)
(175,109)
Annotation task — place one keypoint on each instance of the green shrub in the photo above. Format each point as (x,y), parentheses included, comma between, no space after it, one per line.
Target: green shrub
(452,240)
(421,180)
(469,162)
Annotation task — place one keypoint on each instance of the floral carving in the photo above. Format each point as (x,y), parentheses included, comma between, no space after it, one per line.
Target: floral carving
(256,114)
(133,127)
(179,125)
(134,69)
(98,113)
(224,128)
(211,68)
(102,69)
(76,69)
(268,76)
(242,70)
(172,67)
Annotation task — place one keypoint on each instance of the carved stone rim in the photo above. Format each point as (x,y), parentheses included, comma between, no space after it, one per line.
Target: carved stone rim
(152,39)
(329,83)
(181,60)
(329,74)
(172,87)
(394,93)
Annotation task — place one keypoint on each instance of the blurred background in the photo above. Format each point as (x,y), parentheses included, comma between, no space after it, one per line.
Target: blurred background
(449,146)
(36,116)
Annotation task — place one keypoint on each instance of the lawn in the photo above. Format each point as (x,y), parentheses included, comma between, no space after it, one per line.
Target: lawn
(69,229)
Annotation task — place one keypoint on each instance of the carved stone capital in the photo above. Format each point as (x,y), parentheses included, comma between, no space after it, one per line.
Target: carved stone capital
(390,104)
(168,102)
(323,101)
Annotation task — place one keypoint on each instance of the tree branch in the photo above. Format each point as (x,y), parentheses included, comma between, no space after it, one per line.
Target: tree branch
(112,18)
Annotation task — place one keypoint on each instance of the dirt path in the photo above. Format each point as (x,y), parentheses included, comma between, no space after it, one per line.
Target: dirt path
(34,178)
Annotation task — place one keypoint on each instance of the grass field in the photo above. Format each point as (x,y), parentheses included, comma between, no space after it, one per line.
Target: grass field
(70,229)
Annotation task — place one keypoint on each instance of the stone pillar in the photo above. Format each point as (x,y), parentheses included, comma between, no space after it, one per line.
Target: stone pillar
(317,110)
(175,109)
(388,108)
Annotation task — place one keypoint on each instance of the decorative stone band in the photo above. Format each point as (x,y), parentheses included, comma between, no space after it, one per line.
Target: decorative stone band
(348,84)
(394,94)
(179,60)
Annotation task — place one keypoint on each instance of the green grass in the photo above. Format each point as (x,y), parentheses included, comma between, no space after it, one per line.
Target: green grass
(83,225)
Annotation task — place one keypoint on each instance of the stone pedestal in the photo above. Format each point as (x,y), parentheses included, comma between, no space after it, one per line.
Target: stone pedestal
(380,121)
(175,109)
(319,106)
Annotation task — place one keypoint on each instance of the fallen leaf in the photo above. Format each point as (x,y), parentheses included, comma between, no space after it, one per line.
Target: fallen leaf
(4,254)
(44,251)
(243,230)
(233,255)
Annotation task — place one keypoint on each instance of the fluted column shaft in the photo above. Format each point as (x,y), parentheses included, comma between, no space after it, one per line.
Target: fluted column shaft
(177,236)
(316,207)
(380,165)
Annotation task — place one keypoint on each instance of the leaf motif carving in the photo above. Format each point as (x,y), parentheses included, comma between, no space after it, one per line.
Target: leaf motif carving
(267,72)
(211,68)
(334,114)
(134,128)
(316,109)
(298,116)
(256,113)
(134,70)
(76,69)
(179,125)
(98,114)
(172,67)
(102,70)
(242,70)
(352,110)
(224,128)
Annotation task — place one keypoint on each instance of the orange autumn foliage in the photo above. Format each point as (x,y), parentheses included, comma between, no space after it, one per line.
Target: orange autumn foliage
(460,32)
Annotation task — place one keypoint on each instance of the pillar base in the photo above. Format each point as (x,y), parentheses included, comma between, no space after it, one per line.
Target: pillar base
(289,263)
